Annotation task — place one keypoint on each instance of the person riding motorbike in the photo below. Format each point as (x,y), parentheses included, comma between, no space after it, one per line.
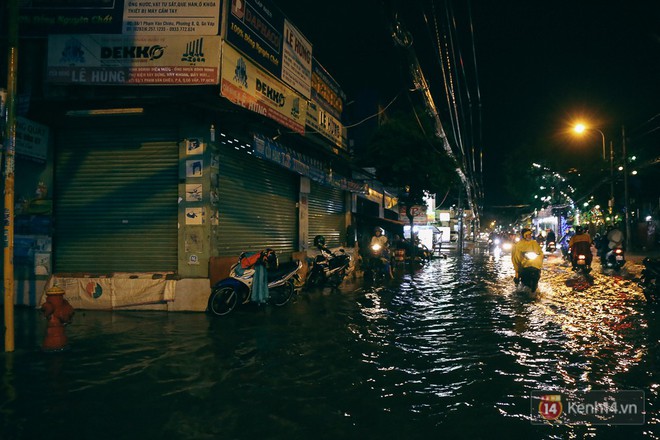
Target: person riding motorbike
(527,244)
(580,243)
(381,240)
(550,239)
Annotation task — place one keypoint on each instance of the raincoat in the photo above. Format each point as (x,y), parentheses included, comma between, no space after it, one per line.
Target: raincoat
(518,255)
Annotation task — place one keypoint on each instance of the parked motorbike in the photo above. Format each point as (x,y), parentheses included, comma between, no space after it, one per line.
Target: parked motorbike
(237,288)
(614,259)
(328,268)
(529,276)
(650,279)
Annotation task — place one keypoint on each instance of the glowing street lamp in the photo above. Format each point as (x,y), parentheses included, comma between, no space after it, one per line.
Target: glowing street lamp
(581,128)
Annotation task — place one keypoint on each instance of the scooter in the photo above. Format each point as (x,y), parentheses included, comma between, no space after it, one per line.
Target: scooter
(650,279)
(236,289)
(529,275)
(581,263)
(377,263)
(580,257)
(614,259)
(328,268)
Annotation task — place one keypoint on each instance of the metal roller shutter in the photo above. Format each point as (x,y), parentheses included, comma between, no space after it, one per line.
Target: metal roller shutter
(327,215)
(116,200)
(257,205)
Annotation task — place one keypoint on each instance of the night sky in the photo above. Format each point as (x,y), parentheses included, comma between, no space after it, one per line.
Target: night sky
(539,67)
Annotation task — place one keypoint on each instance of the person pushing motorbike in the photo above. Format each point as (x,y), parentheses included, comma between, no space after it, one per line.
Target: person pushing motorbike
(518,258)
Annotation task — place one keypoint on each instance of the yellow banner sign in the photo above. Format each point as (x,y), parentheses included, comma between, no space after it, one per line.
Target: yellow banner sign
(244,84)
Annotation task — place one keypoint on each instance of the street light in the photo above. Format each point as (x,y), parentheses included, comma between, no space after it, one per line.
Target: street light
(581,128)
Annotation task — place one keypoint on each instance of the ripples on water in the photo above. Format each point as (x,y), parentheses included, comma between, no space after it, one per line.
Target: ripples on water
(448,351)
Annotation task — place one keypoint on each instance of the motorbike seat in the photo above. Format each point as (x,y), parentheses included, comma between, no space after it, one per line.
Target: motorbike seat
(282,270)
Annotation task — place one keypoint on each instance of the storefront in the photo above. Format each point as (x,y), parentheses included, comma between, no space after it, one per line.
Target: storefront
(327,214)
(115,197)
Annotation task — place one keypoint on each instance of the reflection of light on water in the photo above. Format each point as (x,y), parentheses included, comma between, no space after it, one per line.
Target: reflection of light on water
(600,327)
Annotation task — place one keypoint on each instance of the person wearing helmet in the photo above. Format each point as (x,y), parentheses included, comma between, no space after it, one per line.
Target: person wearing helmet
(380,240)
(319,243)
(580,243)
(527,244)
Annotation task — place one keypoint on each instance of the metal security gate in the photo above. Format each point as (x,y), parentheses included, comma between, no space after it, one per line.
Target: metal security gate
(257,205)
(115,202)
(327,215)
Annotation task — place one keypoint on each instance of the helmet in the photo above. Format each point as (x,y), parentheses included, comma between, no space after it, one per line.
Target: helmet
(525,231)
(378,229)
(319,241)
(579,229)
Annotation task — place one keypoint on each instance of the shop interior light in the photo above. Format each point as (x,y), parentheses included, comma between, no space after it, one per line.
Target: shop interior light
(106,112)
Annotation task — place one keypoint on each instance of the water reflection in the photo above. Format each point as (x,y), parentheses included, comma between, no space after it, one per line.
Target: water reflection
(452,349)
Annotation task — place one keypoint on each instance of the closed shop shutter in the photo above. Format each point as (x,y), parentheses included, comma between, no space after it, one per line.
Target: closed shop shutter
(115,202)
(257,205)
(327,215)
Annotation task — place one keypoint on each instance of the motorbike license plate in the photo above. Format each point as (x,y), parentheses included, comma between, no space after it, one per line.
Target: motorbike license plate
(619,258)
(581,262)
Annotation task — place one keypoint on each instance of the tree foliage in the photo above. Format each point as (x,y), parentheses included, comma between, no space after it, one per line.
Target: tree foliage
(406,155)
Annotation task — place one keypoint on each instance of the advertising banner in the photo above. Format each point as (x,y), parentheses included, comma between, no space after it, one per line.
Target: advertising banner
(136,60)
(31,139)
(296,60)
(326,91)
(169,17)
(326,106)
(258,29)
(164,17)
(323,123)
(244,84)
(43,17)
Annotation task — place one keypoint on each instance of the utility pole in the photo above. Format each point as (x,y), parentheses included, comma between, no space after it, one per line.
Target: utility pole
(10,153)
(610,204)
(625,189)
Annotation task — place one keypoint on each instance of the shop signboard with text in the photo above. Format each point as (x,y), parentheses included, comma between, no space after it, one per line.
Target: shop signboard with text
(259,30)
(163,17)
(244,84)
(136,60)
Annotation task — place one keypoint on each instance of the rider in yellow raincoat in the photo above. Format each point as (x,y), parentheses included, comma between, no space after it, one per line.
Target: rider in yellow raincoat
(527,244)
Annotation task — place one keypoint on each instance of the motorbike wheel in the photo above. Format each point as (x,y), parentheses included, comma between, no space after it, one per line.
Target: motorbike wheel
(336,279)
(222,301)
(282,294)
(314,279)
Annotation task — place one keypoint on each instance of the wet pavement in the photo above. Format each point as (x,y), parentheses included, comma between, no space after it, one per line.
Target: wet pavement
(451,350)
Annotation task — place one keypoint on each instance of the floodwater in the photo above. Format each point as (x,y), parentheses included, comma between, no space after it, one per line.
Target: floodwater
(449,351)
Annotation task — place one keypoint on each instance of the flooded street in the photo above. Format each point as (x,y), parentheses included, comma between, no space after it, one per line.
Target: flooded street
(452,351)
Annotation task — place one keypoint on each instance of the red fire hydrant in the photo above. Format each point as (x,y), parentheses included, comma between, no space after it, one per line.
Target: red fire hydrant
(59,313)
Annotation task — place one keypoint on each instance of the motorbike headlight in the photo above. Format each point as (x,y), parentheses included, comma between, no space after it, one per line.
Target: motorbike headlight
(531,255)
(618,251)
(376,247)
(507,246)
(497,241)
(582,257)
